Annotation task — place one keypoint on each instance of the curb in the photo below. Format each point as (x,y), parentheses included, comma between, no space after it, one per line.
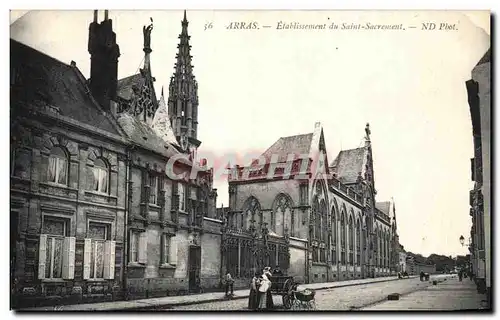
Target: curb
(166,306)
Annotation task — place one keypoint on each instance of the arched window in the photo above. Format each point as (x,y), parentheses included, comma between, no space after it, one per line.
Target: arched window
(351,241)
(101,177)
(252,213)
(379,248)
(322,216)
(375,246)
(334,235)
(358,243)
(317,219)
(323,231)
(58,166)
(282,215)
(316,214)
(342,238)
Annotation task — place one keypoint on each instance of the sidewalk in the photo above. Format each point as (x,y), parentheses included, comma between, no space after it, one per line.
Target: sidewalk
(446,295)
(195,298)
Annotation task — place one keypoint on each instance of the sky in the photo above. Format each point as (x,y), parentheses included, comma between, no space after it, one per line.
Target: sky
(256,86)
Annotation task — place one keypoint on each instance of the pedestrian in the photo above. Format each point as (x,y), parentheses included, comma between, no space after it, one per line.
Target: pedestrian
(229,284)
(460,275)
(264,287)
(253,299)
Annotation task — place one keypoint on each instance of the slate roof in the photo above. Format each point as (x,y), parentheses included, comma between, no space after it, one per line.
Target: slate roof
(161,123)
(298,144)
(143,135)
(43,78)
(384,206)
(125,85)
(348,165)
(486,58)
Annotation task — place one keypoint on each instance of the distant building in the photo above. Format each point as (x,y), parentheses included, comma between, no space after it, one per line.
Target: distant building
(318,227)
(478,91)
(414,268)
(402,261)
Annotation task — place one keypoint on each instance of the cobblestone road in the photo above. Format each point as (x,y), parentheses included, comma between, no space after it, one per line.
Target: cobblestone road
(343,298)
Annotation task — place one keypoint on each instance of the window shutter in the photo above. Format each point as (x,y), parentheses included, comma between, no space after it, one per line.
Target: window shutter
(42,256)
(68,271)
(87,250)
(109,260)
(143,247)
(173,250)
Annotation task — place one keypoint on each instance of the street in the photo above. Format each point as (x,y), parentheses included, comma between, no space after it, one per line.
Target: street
(343,298)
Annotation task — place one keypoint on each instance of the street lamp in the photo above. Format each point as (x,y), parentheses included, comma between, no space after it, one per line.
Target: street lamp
(462,239)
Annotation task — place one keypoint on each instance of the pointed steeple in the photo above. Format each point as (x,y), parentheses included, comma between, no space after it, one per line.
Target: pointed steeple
(183,95)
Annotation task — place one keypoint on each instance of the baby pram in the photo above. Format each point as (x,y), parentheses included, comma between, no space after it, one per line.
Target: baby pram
(302,299)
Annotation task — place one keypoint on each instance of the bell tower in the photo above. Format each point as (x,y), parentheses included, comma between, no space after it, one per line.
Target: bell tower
(183,96)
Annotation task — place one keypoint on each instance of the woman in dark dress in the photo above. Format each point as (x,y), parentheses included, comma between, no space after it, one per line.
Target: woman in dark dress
(253,299)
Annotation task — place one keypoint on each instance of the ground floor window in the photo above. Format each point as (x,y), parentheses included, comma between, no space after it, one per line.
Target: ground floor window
(56,251)
(99,252)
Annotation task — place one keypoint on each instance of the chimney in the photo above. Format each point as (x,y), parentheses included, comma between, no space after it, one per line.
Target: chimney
(104,53)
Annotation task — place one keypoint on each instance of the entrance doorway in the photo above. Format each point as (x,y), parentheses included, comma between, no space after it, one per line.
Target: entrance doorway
(194,266)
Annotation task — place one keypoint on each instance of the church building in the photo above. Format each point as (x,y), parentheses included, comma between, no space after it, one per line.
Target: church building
(317,222)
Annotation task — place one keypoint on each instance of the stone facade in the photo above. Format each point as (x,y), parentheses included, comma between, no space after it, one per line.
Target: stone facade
(108,200)
(67,186)
(329,226)
(478,90)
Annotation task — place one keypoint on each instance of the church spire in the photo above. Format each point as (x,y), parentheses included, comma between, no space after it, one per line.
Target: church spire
(183,94)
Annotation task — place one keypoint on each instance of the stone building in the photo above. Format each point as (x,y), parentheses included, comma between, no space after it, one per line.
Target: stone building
(108,200)
(68,182)
(317,222)
(478,91)
(414,268)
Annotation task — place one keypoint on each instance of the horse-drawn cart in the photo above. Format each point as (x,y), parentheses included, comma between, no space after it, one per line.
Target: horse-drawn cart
(287,288)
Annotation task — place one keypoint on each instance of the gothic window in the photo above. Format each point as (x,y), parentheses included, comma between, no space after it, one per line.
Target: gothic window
(351,241)
(358,243)
(57,171)
(342,238)
(303,193)
(101,176)
(334,236)
(323,231)
(282,215)
(375,247)
(317,219)
(252,213)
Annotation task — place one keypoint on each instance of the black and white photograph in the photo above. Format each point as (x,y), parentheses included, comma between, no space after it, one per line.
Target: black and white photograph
(250,160)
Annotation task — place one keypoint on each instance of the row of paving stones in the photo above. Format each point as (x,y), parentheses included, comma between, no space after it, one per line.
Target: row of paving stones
(446,294)
(195,298)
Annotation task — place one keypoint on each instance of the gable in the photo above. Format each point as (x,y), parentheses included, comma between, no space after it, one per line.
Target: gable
(297,145)
(348,165)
